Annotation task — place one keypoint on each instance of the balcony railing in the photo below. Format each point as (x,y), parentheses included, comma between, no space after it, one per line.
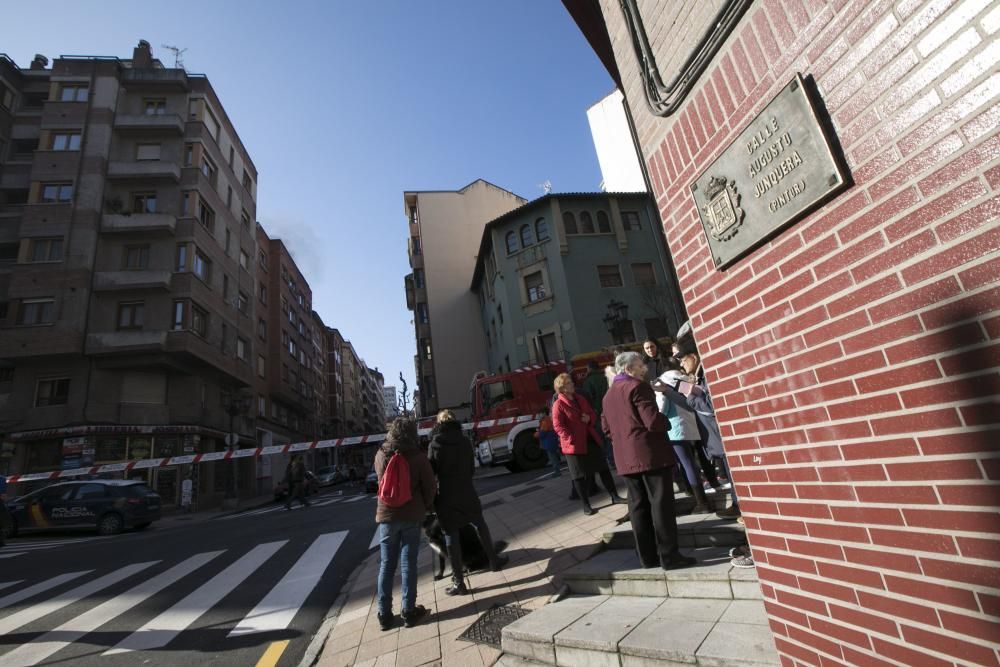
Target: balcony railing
(176,79)
(107,281)
(125,341)
(163,223)
(144,169)
(150,122)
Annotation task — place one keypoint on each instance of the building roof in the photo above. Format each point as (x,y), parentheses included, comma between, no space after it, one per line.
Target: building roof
(484,242)
(458,191)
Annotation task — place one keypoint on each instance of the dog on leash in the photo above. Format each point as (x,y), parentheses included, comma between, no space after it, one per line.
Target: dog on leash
(473,556)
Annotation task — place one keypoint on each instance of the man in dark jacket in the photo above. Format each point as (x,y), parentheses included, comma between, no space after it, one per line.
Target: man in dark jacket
(295,476)
(646,461)
(457,502)
(399,527)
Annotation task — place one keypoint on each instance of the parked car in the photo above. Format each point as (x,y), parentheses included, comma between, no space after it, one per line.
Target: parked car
(109,505)
(330,475)
(312,486)
(371,482)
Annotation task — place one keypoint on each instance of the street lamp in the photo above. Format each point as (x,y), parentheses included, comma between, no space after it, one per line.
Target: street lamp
(235,404)
(617,313)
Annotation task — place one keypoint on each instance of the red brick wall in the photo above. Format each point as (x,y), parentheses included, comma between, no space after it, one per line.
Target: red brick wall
(854,359)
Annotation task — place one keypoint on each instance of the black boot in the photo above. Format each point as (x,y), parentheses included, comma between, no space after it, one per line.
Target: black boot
(581,489)
(573,494)
(609,483)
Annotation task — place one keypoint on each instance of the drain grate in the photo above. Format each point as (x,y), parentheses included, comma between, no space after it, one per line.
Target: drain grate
(487,628)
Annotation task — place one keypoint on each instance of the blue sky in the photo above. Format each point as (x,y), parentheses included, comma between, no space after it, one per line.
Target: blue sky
(344,105)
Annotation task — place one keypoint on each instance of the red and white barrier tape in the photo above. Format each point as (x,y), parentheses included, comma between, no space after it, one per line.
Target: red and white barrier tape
(191,459)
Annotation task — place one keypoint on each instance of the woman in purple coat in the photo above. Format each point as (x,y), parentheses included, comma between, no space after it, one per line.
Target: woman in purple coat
(646,461)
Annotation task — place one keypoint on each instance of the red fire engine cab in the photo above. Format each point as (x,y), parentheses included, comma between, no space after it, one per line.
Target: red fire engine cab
(513,402)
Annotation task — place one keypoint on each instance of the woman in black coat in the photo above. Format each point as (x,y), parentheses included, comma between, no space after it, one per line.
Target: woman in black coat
(457,502)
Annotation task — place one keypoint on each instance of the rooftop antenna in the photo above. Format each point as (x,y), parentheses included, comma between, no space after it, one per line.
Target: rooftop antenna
(546,186)
(178,55)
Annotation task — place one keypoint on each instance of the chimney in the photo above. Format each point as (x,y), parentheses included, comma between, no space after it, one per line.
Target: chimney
(39,62)
(142,55)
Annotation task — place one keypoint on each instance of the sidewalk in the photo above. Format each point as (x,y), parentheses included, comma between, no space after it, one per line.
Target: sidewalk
(178,516)
(547,534)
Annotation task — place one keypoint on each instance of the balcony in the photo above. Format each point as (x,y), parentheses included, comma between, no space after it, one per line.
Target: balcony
(148,123)
(159,223)
(155,79)
(115,342)
(144,170)
(410,292)
(109,281)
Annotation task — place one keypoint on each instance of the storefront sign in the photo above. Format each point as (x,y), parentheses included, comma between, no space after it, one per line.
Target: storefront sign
(779,169)
(77,453)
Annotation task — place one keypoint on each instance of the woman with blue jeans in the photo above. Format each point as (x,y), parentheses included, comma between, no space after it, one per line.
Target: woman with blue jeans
(399,527)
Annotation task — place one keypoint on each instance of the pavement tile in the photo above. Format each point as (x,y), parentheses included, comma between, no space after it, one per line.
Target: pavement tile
(420,653)
(344,658)
(348,634)
(377,647)
(666,639)
(738,645)
(424,631)
(745,611)
(691,609)
(602,628)
(543,625)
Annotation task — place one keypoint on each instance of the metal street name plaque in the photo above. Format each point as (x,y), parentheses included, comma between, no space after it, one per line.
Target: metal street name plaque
(779,169)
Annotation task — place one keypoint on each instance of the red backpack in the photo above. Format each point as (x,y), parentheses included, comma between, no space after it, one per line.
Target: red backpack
(394,487)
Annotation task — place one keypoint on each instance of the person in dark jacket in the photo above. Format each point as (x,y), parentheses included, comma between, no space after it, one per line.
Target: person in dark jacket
(654,357)
(577,425)
(642,456)
(399,527)
(594,386)
(457,502)
(295,476)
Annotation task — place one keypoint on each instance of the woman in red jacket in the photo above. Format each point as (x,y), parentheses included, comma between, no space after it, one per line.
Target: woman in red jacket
(576,424)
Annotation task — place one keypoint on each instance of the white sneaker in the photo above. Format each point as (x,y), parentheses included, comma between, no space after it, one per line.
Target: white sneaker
(708,488)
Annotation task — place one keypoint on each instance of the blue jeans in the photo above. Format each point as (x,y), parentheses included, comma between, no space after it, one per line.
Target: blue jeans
(554,460)
(395,539)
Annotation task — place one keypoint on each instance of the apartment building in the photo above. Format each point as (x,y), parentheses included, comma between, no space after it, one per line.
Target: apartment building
(126,201)
(390,403)
(445,229)
(573,273)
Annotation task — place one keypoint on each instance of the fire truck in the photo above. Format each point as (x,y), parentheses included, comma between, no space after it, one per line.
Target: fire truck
(511,404)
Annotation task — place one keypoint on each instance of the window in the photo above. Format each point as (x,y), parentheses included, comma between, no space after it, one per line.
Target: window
(534,287)
(182,254)
(209,169)
(199,321)
(500,312)
(428,386)
(147,151)
(6,97)
(610,275)
(202,266)
(261,406)
(36,311)
(232,154)
(262,293)
(66,141)
(541,230)
(414,245)
(228,240)
(135,257)
(178,319)
(130,315)
(242,302)
(422,316)
(630,220)
(569,223)
(229,196)
(46,250)
(211,124)
(225,288)
(8,252)
(144,202)
(206,215)
(52,392)
(603,224)
(57,193)
(261,364)
(425,348)
(154,107)
(495,393)
(656,327)
(626,331)
(241,349)
(586,223)
(262,329)
(262,259)
(292,348)
(244,260)
(643,274)
(245,219)
(247,181)
(188,155)
(526,236)
(74,92)
(511,242)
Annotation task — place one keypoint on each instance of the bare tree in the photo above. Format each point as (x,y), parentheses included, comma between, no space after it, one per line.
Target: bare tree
(657,304)
(404,398)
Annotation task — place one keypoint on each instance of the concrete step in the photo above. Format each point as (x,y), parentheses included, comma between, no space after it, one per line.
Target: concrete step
(629,631)
(618,572)
(693,531)
(510,660)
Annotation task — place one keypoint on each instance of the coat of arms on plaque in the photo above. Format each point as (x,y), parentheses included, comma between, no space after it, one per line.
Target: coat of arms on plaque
(723,208)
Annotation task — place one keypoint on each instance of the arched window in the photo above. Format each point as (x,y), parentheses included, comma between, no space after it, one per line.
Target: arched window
(586,223)
(511,243)
(569,223)
(603,225)
(526,237)
(541,230)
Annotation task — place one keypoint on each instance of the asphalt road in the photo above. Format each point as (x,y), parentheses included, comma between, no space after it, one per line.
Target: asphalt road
(225,591)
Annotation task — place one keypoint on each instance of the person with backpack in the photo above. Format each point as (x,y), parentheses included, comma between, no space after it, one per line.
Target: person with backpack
(406,488)
(457,503)
(295,476)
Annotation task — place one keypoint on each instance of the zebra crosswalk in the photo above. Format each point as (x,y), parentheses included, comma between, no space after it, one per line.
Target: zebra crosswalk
(320,502)
(20,547)
(172,596)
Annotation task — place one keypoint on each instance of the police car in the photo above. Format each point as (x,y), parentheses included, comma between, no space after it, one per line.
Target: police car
(110,506)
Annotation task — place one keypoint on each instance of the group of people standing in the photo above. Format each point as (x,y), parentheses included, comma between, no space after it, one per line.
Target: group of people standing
(440,480)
